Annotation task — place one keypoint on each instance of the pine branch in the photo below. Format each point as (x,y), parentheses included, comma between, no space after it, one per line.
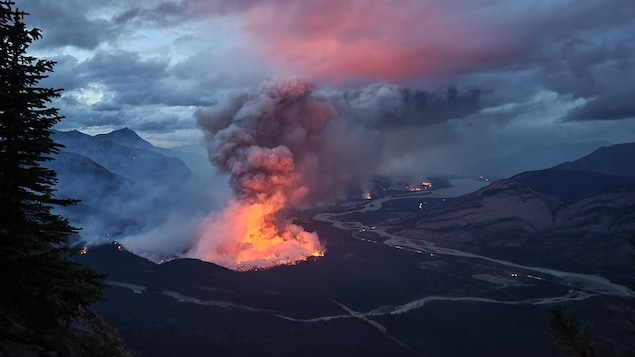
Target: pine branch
(571,337)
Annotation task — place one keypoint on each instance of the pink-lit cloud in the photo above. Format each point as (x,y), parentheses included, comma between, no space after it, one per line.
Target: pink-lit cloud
(380,40)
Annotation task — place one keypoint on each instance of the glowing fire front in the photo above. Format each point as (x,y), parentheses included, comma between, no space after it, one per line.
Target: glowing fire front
(251,235)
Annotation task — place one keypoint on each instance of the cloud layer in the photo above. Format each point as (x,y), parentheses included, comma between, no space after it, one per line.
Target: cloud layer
(454,74)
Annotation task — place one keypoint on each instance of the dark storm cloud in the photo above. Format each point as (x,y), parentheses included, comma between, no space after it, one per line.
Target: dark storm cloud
(131,79)
(81,118)
(149,119)
(385,106)
(128,84)
(182,10)
(66,74)
(602,72)
(65,23)
(582,51)
(614,104)
(171,13)
(595,64)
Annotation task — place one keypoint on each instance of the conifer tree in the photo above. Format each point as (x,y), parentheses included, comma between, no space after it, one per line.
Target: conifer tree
(38,282)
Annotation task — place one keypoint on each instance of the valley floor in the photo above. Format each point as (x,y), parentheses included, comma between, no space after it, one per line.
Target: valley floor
(373,293)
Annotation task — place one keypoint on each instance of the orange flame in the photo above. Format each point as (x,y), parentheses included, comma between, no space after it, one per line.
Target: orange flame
(246,236)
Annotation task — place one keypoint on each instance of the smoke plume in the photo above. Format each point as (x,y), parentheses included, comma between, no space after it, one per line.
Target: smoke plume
(282,149)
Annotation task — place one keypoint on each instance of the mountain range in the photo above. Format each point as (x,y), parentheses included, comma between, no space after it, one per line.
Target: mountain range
(124,153)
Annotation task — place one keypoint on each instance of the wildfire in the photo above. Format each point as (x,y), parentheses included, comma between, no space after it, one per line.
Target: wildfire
(274,144)
(252,235)
(425,185)
(367,196)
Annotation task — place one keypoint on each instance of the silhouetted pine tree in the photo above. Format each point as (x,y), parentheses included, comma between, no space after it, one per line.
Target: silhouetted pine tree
(38,283)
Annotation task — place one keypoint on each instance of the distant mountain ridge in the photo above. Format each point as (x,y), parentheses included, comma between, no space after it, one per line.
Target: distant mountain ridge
(126,137)
(533,157)
(617,160)
(604,169)
(137,162)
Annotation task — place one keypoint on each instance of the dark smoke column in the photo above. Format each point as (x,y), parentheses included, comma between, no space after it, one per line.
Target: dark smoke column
(280,152)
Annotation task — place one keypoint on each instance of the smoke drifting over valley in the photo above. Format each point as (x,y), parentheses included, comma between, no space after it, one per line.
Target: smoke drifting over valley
(286,144)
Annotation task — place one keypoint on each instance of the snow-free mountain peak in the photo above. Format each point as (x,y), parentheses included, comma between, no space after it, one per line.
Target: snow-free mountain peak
(126,137)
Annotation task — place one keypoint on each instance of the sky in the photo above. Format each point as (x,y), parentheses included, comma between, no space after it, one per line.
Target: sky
(440,84)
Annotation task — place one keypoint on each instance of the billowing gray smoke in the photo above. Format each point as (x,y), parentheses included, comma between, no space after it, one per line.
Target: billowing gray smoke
(386,106)
(281,138)
(282,148)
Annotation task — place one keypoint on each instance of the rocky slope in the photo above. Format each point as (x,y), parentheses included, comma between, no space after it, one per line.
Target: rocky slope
(84,335)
